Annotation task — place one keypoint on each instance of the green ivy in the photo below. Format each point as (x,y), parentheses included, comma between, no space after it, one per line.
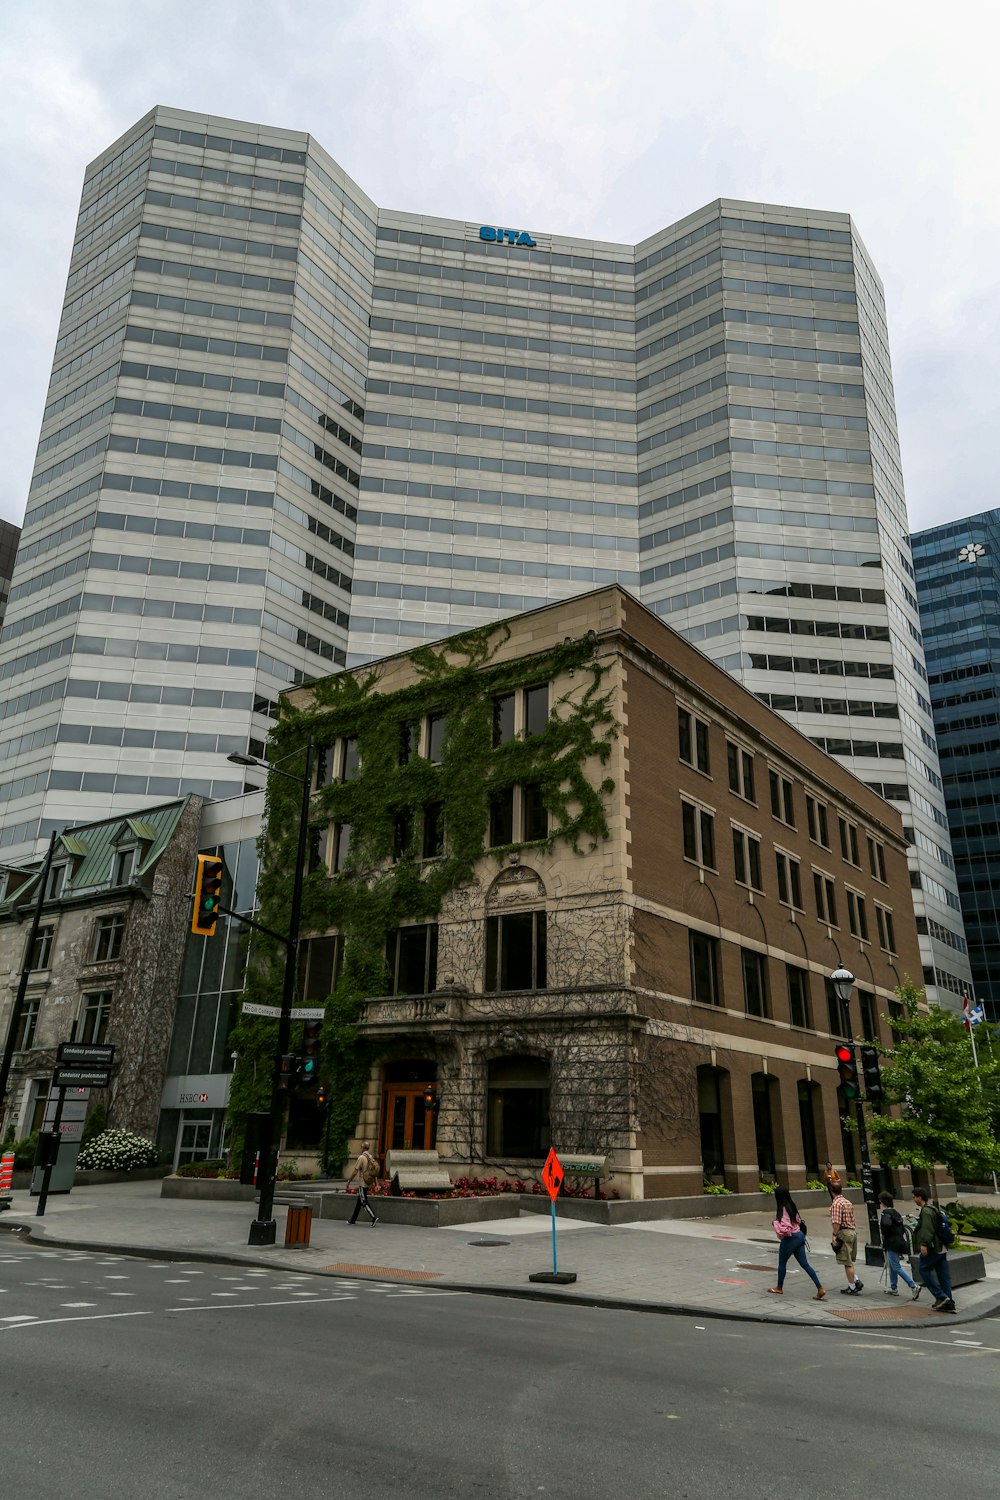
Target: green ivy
(373,896)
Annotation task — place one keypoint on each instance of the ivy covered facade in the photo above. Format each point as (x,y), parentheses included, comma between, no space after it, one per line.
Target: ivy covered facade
(522,914)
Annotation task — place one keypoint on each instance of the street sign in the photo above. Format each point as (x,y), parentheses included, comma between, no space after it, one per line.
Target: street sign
(314,1013)
(80,1078)
(86,1053)
(552,1174)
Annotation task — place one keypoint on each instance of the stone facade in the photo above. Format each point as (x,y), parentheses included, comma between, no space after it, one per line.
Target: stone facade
(110,962)
(682,1026)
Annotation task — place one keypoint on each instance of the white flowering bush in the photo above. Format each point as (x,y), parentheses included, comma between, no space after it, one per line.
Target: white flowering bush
(116,1151)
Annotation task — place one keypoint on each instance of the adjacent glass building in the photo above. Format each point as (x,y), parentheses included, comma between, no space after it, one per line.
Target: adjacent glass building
(288,430)
(958,585)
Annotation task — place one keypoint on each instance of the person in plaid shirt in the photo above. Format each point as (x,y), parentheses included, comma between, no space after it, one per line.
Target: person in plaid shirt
(844,1238)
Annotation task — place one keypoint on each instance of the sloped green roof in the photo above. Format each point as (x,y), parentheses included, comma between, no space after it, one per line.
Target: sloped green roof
(95,846)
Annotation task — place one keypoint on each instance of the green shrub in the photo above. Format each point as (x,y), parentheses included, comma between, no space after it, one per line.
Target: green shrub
(202,1169)
(94,1124)
(815,1185)
(24,1152)
(116,1151)
(716,1189)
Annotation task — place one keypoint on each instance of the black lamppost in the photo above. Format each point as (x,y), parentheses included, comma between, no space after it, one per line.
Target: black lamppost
(843,983)
(22,988)
(262,1228)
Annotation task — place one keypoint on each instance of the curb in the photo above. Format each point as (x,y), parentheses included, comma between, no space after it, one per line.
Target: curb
(986,1309)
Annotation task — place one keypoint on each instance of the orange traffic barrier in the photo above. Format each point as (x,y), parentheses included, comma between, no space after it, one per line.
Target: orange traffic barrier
(6,1171)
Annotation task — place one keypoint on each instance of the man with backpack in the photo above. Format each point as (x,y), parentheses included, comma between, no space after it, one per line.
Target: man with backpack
(932,1235)
(895,1244)
(366,1171)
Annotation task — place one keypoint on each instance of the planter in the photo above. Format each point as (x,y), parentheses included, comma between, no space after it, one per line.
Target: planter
(705,1206)
(139,1174)
(421,1213)
(208,1189)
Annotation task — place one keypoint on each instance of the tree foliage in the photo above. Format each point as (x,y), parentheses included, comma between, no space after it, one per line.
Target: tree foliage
(944,1102)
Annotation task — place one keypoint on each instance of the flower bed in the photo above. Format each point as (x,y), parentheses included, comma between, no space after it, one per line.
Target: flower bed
(486,1187)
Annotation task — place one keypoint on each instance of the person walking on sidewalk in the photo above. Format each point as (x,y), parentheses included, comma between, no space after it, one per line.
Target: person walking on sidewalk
(935,1273)
(366,1171)
(844,1238)
(791,1232)
(893,1233)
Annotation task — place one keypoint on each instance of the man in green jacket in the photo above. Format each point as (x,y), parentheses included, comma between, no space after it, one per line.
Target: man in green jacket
(935,1272)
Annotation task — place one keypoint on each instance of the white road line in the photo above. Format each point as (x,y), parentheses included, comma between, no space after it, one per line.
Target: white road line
(78,1304)
(19,1318)
(90,1318)
(116,1278)
(176,1281)
(241,1306)
(223,1294)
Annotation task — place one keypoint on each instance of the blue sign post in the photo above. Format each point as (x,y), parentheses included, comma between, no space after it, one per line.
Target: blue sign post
(552,1176)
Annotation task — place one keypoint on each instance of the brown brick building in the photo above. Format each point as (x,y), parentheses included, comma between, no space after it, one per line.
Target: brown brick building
(659,992)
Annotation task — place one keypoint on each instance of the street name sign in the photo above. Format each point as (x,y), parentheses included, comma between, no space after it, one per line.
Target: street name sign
(80,1078)
(314,1013)
(94,1054)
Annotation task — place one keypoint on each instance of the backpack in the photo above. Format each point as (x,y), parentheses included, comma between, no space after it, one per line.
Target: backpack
(369,1172)
(944,1228)
(896,1234)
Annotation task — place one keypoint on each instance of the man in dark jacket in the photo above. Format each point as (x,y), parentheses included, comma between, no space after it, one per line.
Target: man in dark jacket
(893,1233)
(934,1270)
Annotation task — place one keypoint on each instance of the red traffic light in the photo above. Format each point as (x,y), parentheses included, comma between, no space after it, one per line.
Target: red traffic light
(845,1054)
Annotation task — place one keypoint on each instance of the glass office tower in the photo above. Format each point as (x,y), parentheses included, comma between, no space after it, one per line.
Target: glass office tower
(958,585)
(422,424)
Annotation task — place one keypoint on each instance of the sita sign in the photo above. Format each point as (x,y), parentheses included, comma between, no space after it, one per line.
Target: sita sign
(511,236)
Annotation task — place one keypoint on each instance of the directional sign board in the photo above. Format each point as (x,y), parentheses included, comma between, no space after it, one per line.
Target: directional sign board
(315,1013)
(552,1174)
(86,1054)
(80,1078)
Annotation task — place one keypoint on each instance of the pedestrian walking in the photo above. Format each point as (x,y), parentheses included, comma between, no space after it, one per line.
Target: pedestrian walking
(366,1171)
(831,1177)
(935,1273)
(791,1231)
(844,1238)
(894,1243)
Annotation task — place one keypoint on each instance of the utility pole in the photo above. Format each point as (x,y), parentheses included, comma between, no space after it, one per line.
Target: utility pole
(843,983)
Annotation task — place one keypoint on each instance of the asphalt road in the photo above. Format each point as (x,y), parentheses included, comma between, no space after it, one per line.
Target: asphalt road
(156,1381)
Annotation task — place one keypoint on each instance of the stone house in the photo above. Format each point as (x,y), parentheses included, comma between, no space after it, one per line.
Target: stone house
(105,964)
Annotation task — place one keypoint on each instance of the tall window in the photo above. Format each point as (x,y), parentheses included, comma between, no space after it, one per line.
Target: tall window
(705,969)
(94,1018)
(754,983)
(340,842)
(108,932)
(56,881)
(869,1016)
(319,967)
(826,899)
(436,727)
(411,954)
(876,859)
(536,709)
(886,930)
(817,822)
(516,956)
(698,832)
(799,1008)
(692,740)
(125,864)
(502,817)
(534,814)
(782,805)
(518,815)
(835,1011)
(789,882)
(740,763)
(857,915)
(350,764)
(517,1108)
(41,948)
(503,719)
(24,1036)
(746,859)
(433,840)
(402,832)
(848,841)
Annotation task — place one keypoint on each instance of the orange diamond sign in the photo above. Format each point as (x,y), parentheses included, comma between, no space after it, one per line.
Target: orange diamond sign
(552,1174)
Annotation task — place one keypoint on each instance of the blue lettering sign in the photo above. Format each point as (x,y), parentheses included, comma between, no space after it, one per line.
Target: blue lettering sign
(512,236)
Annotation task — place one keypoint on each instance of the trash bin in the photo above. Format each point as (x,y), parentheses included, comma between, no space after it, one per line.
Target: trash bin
(298,1225)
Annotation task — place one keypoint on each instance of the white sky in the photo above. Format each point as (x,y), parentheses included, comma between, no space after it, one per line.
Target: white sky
(591,118)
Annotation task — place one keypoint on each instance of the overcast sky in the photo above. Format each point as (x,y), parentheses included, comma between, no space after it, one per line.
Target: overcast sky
(604,120)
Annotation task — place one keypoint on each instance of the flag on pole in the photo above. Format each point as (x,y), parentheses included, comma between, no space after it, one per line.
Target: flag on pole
(972,1014)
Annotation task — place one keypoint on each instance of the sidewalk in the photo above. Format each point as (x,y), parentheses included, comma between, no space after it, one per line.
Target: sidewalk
(718,1267)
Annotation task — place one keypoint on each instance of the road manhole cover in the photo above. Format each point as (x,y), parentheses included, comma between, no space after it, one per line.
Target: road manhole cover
(878,1314)
(487,1244)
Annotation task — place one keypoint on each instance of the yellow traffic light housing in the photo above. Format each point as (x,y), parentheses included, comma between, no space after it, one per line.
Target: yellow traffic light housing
(207,895)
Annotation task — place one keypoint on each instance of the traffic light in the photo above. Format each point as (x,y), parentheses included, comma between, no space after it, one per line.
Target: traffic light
(871,1073)
(322,1094)
(847,1067)
(310,1053)
(207,895)
(290,1065)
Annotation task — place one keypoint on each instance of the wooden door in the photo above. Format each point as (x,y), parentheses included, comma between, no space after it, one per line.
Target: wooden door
(407,1123)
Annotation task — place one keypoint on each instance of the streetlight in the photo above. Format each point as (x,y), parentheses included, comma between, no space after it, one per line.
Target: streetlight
(262,1228)
(843,983)
(22,988)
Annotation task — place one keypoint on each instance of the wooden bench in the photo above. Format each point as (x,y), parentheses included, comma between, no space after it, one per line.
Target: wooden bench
(416,1172)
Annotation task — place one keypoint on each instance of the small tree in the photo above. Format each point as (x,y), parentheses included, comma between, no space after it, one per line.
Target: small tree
(944,1103)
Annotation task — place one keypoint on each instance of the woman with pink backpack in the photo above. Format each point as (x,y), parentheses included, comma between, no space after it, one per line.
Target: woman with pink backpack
(790,1228)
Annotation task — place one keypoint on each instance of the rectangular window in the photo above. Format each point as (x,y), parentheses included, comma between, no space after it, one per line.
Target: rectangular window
(125,863)
(848,841)
(789,881)
(55,882)
(534,814)
(24,1036)
(433,841)
(705,969)
(402,833)
(436,726)
(341,842)
(94,1019)
(754,982)
(411,953)
(502,817)
(536,709)
(740,764)
(319,967)
(799,1008)
(826,901)
(692,740)
(325,758)
(698,827)
(503,719)
(886,931)
(782,806)
(409,741)
(869,1016)
(835,1011)
(746,859)
(857,915)
(349,763)
(108,932)
(41,949)
(876,859)
(516,951)
(817,822)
